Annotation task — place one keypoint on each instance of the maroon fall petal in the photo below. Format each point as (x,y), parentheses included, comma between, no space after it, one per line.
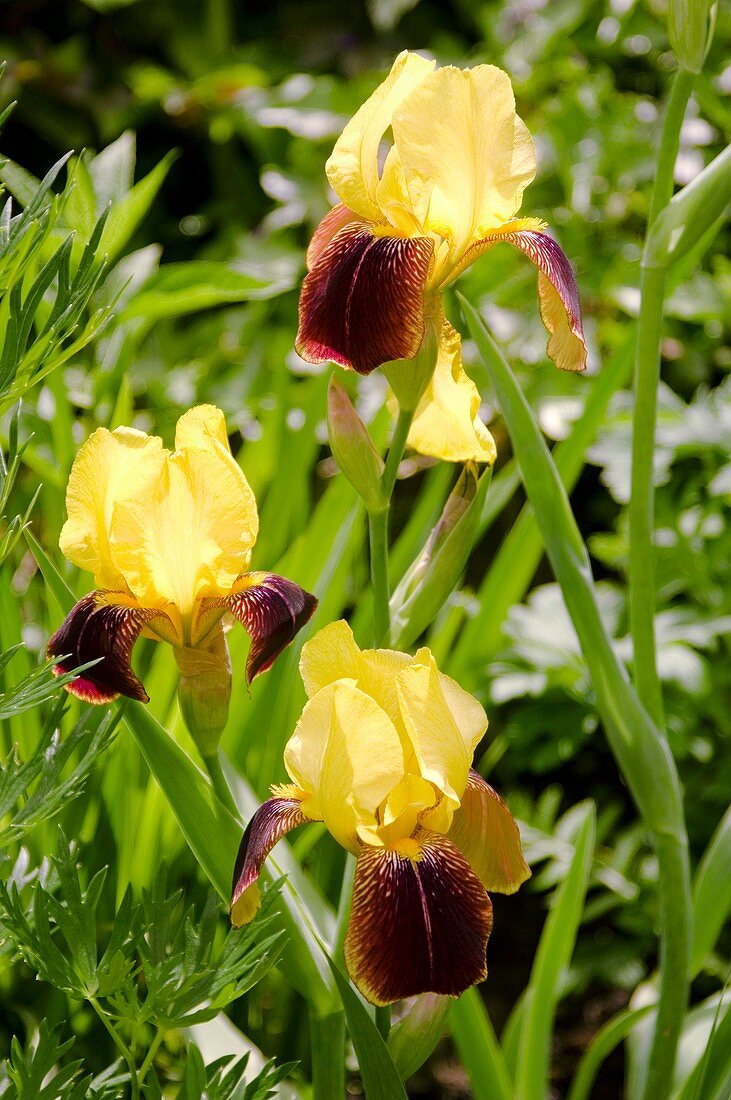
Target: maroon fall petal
(417,925)
(335,220)
(362,304)
(269,824)
(558,296)
(273,610)
(98,627)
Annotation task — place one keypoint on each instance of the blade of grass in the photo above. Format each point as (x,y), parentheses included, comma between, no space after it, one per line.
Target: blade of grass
(478,1048)
(639,748)
(552,958)
(378,1073)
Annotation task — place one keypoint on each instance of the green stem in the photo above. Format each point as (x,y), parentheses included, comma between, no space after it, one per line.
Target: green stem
(378,540)
(220,784)
(647,377)
(396,451)
(150,1056)
(121,1047)
(378,532)
(327,1039)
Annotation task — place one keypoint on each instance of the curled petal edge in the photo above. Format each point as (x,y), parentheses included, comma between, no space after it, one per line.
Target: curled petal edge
(273,610)
(419,923)
(273,820)
(102,625)
(558,294)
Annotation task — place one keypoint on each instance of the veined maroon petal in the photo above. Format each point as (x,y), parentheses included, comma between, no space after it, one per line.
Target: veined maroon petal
(335,220)
(272,609)
(419,923)
(362,303)
(100,627)
(485,831)
(558,296)
(269,824)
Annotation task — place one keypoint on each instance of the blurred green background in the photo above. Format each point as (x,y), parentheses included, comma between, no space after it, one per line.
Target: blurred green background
(207,266)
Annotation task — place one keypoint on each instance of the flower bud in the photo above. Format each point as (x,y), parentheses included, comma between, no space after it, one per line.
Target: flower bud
(690,30)
(204,691)
(426,586)
(353,448)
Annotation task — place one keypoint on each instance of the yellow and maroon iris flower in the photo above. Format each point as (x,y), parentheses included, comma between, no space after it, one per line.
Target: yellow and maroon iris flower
(168,537)
(450,188)
(382,755)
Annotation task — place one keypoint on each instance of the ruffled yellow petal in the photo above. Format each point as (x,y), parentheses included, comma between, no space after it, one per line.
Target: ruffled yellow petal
(191,536)
(109,466)
(346,755)
(446,424)
(352,168)
(332,654)
(204,427)
(466,155)
(443,722)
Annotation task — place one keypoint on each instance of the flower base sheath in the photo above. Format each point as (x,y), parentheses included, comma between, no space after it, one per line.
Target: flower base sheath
(449,189)
(382,755)
(168,536)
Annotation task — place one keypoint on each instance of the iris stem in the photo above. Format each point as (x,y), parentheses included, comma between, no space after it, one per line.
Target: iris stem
(647,377)
(220,783)
(378,541)
(378,531)
(672,856)
(327,1039)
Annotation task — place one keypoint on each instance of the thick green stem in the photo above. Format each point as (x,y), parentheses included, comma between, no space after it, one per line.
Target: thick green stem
(327,1039)
(647,375)
(378,541)
(674,888)
(220,785)
(396,451)
(378,532)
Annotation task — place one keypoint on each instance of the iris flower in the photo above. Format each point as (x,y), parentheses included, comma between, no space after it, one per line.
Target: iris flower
(449,189)
(381,755)
(168,537)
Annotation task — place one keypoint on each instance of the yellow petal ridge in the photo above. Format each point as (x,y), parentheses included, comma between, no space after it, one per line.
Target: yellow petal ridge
(109,467)
(352,168)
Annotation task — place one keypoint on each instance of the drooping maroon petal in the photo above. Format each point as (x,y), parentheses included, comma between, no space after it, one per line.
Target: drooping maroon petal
(362,303)
(485,831)
(98,626)
(272,609)
(558,296)
(419,922)
(269,824)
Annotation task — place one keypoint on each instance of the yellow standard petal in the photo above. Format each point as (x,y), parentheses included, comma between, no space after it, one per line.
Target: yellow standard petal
(110,466)
(191,536)
(346,755)
(443,722)
(446,424)
(466,156)
(334,654)
(352,168)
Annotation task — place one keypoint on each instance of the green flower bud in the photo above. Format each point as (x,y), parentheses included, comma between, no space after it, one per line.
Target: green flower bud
(353,448)
(690,30)
(427,584)
(204,690)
